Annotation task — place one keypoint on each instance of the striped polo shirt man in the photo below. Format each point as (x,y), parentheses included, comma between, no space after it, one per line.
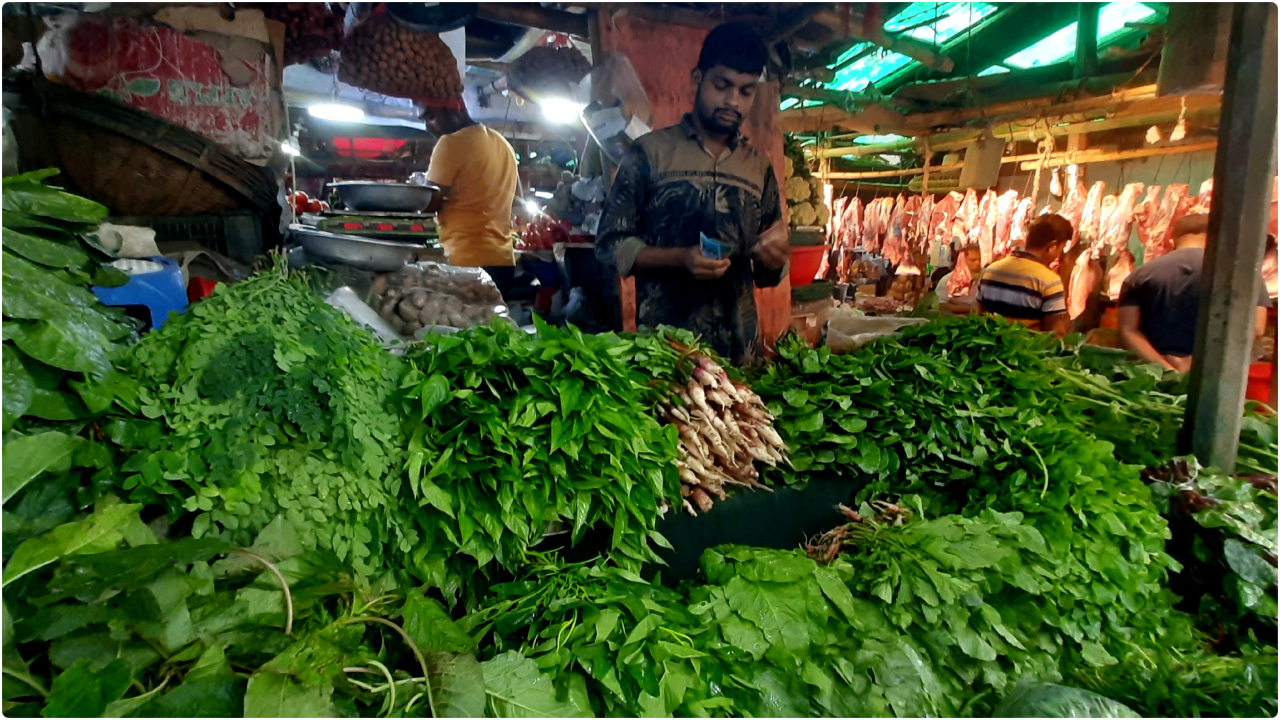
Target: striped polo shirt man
(1022,288)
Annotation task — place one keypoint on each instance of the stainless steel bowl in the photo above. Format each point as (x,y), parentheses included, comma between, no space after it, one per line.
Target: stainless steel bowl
(364,253)
(384,197)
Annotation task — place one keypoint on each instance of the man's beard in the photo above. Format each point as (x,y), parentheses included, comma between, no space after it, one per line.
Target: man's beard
(715,124)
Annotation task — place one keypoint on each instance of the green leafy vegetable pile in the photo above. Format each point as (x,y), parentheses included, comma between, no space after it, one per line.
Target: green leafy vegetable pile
(514,432)
(258,511)
(623,646)
(969,415)
(268,402)
(59,340)
(1225,537)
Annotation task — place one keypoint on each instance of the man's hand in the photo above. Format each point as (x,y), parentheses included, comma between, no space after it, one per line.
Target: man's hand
(703,267)
(772,247)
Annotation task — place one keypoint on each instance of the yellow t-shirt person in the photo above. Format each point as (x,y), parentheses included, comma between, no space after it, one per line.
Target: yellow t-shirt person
(479,168)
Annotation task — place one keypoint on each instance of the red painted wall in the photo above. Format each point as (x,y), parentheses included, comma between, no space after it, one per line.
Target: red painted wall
(663,56)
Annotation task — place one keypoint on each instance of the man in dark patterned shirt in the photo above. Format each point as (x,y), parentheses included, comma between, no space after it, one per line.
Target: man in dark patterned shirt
(700,177)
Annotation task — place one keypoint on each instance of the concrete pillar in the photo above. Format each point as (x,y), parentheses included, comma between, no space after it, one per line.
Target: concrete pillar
(1243,170)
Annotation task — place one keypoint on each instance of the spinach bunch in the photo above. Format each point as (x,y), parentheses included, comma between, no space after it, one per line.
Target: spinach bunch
(975,591)
(138,625)
(263,401)
(1176,683)
(512,432)
(969,415)
(797,643)
(1224,536)
(629,646)
(59,340)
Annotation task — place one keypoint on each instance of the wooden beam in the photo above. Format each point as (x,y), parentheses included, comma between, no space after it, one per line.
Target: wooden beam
(866,175)
(1030,162)
(658,14)
(1243,178)
(1136,113)
(793,20)
(535,16)
(1095,156)
(1043,104)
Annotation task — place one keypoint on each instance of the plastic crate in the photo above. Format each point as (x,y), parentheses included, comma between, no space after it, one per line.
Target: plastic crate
(236,234)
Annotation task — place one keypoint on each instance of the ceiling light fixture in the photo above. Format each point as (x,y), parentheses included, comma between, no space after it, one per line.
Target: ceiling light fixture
(560,111)
(336,112)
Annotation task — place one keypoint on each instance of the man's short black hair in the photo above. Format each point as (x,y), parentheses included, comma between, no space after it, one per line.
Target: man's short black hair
(735,46)
(1047,230)
(1194,224)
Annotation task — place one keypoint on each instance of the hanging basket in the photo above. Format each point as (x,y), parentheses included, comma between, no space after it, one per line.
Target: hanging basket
(132,161)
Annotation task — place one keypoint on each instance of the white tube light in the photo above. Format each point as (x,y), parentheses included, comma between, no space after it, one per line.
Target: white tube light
(336,112)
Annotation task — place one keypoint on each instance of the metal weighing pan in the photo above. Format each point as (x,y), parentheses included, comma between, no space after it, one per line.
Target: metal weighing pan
(384,197)
(364,253)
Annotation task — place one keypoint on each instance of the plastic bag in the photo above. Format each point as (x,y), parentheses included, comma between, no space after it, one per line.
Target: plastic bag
(430,294)
(617,108)
(1058,701)
(848,333)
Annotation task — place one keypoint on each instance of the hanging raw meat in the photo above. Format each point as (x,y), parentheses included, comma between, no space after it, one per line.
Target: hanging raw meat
(910,222)
(911,217)
(1104,215)
(967,217)
(895,237)
(871,227)
(1091,216)
(961,279)
(1269,274)
(983,231)
(1055,184)
(1005,206)
(835,228)
(924,216)
(1205,199)
(1144,215)
(1160,226)
(883,218)
(884,211)
(1021,221)
(1072,208)
(1185,204)
(851,236)
(1084,278)
(941,220)
(1116,227)
(1120,269)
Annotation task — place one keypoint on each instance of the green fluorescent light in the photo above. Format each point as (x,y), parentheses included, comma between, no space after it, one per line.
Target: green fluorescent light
(952,18)
(868,70)
(930,22)
(788,103)
(1062,44)
(993,70)
(878,139)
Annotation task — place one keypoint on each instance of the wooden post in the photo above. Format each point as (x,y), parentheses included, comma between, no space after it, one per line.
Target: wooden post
(1242,176)
(1087,40)
(924,183)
